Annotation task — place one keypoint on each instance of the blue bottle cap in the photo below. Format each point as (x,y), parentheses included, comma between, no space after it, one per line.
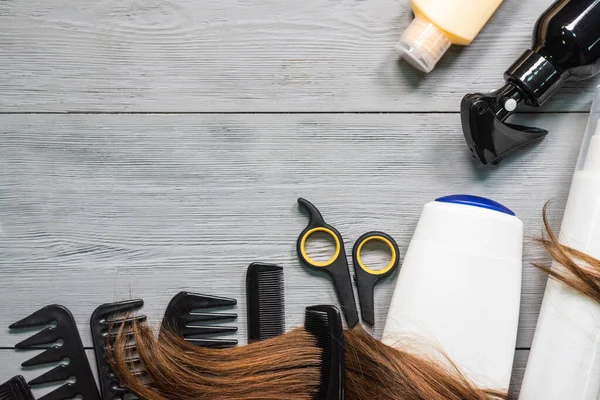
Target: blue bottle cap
(475,201)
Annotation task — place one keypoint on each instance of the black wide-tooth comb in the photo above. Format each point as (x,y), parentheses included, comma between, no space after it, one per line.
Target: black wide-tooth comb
(265,301)
(16,389)
(325,324)
(105,323)
(184,316)
(71,349)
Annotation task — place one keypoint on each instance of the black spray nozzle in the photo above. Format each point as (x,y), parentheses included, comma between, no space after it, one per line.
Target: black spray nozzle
(487,134)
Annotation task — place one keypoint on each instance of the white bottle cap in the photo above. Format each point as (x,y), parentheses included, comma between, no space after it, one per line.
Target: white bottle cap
(423,44)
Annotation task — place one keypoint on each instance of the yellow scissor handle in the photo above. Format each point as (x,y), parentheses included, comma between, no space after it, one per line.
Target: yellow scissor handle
(309,260)
(393,261)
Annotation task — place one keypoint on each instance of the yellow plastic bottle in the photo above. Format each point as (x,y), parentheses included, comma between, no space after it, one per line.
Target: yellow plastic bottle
(440,23)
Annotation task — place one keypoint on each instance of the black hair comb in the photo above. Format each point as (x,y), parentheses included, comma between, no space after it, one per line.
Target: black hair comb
(325,324)
(185,316)
(265,301)
(105,323)
(16,389)
(71,349)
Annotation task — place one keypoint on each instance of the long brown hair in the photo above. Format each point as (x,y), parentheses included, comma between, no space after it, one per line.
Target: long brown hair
(375,370)
(173,369)
(575,269)
(285,367)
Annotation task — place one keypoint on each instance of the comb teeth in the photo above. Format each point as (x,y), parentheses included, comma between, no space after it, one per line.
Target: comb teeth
(71,349)
(325,324)
(105,322)
(195,326)
(15,389)
(266,308)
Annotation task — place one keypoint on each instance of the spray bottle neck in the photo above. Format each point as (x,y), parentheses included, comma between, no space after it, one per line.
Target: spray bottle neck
(536,76)
(506,100)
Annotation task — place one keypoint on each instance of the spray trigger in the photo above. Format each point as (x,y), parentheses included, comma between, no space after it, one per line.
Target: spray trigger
(487,134)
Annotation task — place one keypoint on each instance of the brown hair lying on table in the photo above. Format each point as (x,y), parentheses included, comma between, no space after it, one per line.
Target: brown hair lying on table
(575,268)
(288,367)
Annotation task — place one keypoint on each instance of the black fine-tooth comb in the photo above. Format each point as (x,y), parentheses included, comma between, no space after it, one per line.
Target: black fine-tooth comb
(325,324)
(15,389)
(105,323)
(71,349)
(184,316)
(265,301)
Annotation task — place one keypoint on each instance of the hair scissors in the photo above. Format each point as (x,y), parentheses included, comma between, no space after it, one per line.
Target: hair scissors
(337,266)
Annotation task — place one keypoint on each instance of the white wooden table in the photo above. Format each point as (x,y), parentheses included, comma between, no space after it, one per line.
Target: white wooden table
(153,146)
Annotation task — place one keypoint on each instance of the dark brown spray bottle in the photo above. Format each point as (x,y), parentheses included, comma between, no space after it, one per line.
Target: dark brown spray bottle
(566,46)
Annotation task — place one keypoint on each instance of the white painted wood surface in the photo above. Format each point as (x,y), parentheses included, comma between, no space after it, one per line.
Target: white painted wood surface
(233,55)
(167,179)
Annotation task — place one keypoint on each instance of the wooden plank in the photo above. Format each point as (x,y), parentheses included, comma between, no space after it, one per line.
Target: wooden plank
(11,360)
(259,55)
(99,208)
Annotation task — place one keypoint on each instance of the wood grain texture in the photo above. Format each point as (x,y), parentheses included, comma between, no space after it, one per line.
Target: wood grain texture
(234,55)
(99,208)
(9,367)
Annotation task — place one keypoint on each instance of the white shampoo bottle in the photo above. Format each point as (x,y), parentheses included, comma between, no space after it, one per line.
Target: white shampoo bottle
(459,287)
(564,362)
